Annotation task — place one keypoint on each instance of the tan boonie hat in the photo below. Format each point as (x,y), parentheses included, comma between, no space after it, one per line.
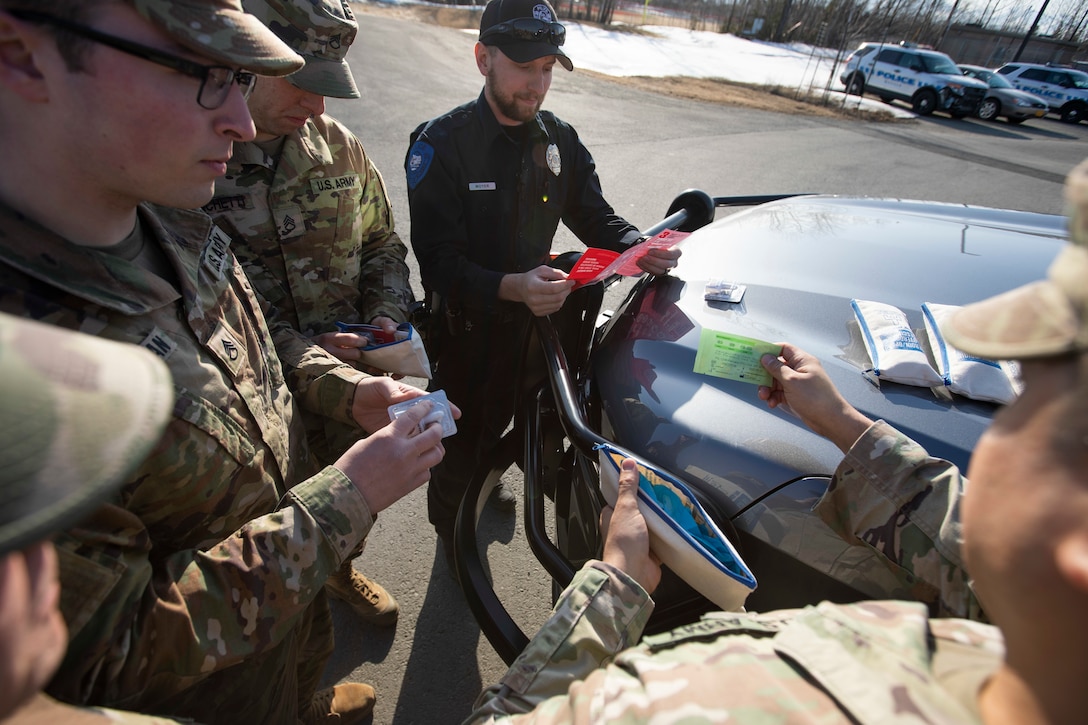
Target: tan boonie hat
(222,31)
(321,31)
(78,414)
(1043,318)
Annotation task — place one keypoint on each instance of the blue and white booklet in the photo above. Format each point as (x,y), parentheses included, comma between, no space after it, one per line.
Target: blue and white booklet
(682,535)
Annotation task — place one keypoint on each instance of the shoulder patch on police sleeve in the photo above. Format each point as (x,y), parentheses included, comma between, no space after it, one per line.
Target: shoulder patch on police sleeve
(419,162)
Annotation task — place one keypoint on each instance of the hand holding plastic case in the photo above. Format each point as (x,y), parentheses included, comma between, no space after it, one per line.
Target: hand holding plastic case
(440,412)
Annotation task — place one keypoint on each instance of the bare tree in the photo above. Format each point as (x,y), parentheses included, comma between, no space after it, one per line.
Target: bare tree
(607,9)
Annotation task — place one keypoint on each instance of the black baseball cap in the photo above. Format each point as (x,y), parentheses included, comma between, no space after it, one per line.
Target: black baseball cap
(524,30)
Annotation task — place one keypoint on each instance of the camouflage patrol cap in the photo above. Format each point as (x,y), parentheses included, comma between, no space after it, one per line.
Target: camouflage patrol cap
(319,30)
(79,414)
(1044,318)
(222,31)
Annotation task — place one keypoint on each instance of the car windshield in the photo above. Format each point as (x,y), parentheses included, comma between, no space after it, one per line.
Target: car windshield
(937,63)
(1080,80)
(995,80)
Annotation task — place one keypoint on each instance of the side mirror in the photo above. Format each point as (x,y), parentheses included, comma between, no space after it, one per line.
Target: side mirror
(698,208)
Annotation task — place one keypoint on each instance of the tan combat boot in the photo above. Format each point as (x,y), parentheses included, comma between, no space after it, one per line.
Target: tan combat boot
(344,704)
(366,596)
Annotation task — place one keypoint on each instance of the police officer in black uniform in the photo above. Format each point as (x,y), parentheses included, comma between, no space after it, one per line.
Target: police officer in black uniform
(488,184)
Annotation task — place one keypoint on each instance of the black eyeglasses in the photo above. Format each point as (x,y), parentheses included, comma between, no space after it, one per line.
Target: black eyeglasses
(215,80)
(529,29)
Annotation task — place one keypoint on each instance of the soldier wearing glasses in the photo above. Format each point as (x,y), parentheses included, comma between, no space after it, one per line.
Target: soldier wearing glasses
(488,184)
(198,589)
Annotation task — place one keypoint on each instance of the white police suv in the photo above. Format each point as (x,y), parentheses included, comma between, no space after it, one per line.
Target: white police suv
(927,79)
(1065,90)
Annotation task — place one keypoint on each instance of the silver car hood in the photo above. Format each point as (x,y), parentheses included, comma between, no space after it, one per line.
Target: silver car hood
(803,260)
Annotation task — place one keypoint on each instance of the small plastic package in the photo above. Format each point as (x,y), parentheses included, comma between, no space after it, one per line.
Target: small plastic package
(971,377)
(720,290)
(895,351)
(682,535)
(440,412)
(402,354)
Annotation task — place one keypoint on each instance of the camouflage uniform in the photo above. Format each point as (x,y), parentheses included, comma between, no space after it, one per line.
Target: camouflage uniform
(313,230)
(869,662)
(43,710)
(890,495)
(199,592)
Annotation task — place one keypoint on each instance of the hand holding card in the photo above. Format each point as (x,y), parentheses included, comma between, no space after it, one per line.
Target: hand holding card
(733,357)
(597,265)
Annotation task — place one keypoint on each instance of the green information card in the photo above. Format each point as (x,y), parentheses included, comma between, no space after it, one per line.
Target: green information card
(733,357)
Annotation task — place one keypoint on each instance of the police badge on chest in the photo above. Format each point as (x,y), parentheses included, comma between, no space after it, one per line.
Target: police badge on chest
(555,163)
(548,156)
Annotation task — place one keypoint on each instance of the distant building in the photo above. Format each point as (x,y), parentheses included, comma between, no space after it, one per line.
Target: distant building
(979,46)
(976,45)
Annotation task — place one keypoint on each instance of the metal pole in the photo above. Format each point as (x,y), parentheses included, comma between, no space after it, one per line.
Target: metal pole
(948,24)
(1031,32)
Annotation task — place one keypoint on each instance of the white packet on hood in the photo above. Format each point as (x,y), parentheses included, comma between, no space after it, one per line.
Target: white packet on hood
(972,377)
(895,351)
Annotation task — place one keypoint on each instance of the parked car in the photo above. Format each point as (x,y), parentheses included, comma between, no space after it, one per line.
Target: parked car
(1002,99)
(927,79)
(628,378)
(1064,90)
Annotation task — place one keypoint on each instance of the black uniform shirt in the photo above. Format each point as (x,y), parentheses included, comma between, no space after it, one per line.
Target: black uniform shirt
(486,201)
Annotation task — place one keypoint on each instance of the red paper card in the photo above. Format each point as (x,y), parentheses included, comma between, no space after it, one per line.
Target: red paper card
(597,265)
(592,263)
